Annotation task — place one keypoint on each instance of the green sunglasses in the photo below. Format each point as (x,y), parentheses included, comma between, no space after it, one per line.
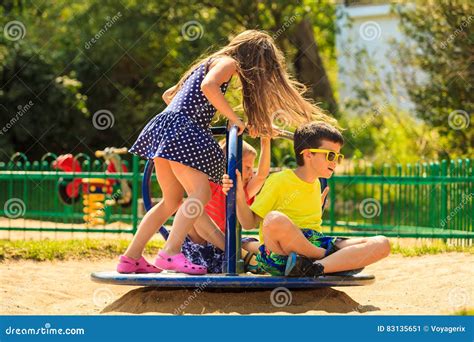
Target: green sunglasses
(330,155)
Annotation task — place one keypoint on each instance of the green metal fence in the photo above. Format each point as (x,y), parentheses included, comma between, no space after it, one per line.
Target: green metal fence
(30,200)
(422,200)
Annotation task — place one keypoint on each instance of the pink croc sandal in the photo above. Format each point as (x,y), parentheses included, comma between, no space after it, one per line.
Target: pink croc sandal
(129,265)
(178,263)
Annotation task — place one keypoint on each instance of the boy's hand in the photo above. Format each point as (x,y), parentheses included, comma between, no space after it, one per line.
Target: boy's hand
(227,183)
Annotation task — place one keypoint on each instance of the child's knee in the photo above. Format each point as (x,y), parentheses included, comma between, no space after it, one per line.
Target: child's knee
(275,219)
(382,245)
(275,224)
(202,194)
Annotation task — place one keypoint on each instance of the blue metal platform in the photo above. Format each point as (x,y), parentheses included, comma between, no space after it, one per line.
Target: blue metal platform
(243,281)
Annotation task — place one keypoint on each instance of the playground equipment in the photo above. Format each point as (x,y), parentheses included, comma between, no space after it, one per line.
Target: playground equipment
(233,275)
(93,195)
(97,193)
(114,163)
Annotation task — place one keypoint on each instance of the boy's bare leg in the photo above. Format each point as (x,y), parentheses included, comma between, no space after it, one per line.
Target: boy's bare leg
(251,246)
(282,236)
(195,237)
(356,253)
(205,229)
(350,242)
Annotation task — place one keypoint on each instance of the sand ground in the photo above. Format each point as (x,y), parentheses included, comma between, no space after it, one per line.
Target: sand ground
(432,284)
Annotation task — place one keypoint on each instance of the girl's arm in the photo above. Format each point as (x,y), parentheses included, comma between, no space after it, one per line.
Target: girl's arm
(219,72)
(166,95)
(257,181)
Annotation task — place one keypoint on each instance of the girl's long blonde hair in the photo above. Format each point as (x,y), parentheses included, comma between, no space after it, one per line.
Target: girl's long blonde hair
(269,92)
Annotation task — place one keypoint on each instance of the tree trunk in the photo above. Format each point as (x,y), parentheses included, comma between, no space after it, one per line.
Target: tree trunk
(309,67)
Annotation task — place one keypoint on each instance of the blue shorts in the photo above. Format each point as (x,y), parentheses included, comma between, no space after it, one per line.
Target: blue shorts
(275,264)
(206,255)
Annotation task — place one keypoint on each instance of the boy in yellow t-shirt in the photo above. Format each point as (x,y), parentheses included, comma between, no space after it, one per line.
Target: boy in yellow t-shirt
(288,211)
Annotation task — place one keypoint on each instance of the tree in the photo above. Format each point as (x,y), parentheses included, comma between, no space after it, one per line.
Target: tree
(441,46)
(119,57)
(310,67)
(37,107)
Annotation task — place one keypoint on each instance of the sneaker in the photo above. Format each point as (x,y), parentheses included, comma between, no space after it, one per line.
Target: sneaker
(301,266)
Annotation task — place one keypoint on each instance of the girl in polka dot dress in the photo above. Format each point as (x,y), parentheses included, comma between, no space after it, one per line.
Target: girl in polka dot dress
(184,152)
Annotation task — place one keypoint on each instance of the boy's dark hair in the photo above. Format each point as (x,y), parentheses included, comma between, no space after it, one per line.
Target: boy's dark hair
(311,135)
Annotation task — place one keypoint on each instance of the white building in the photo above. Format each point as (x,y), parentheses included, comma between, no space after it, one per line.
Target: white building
(369,27)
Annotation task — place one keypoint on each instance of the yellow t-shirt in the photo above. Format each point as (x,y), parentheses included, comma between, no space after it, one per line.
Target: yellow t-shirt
(285,192)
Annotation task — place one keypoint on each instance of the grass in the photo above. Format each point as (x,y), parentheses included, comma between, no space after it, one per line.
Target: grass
(44,250)
(465,312)
(430,249)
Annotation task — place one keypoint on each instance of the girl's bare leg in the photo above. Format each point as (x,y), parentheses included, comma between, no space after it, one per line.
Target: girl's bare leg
(173,194)
(196,185)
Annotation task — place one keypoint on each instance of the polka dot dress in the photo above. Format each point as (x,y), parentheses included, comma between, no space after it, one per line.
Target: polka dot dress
(181,132)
